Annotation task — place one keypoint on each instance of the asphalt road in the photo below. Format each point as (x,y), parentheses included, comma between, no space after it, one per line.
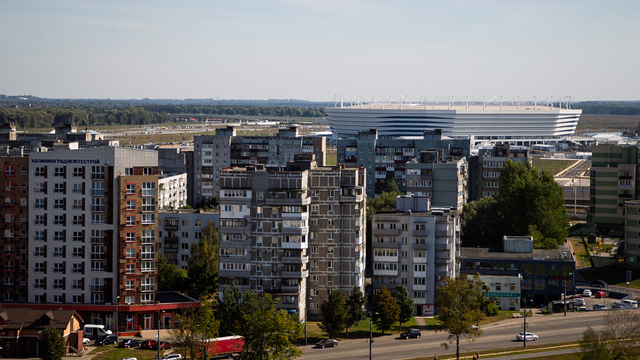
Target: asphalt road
(550,329)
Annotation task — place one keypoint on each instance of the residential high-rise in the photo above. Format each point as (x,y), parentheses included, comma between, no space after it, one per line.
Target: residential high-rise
(484,169)
(179,229)
(212,153)
(442,179)
(296,232)
(415,246)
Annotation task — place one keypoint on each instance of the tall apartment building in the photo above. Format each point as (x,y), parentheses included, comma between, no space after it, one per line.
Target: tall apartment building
(442,179)
(91,236)
(178,229)
(296,232)
(614,180)
(14,255)
(172,191)
(212,153)
(386,158)
(484,169)
(415,246)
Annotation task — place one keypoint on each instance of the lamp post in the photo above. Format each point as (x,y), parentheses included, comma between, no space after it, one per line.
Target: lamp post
(525,321)
(117,303)
(158,344)
(565,295)
(371,331)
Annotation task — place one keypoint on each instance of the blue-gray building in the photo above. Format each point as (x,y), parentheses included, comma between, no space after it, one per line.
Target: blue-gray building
(179,229)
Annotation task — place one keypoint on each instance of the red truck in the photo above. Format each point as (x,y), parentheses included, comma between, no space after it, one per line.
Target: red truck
(224,346)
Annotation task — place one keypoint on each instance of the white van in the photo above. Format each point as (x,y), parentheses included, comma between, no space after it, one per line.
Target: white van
(630,304)
(92,331)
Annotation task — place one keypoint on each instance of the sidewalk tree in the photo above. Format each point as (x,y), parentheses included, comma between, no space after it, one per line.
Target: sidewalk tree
(230,310)
(335,314)
(355,304)
(193,330)
(203,263)
(385,310)
(170,278)
(52,345)
(460,304)
(405,302)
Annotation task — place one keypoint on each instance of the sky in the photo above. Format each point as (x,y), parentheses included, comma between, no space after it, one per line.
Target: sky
(321,50)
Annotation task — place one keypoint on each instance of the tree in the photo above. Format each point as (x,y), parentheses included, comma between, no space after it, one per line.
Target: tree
(52,346)
(203,264)
(385,310)
(268,332)
(230,310)
(460,303)
(592,346)
(334,314)
(170,278)
(528,203)
(355,304)
(194,329)
(405,302)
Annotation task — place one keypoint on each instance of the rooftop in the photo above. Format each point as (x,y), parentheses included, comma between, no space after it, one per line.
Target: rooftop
(537,254)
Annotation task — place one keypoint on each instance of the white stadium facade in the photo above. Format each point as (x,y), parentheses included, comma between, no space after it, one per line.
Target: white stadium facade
(518,124)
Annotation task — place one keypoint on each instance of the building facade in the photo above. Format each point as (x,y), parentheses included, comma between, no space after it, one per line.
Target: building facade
(387,158)
(442,179)
(178,229)
(417,247)
(212,153)
(485,168)
(505,289)
(172,191)
(295,232)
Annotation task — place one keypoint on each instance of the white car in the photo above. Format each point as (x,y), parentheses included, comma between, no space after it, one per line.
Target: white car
(530,337)
(171,357)
(586,293)
(599,307)
(86,341)
(579,301)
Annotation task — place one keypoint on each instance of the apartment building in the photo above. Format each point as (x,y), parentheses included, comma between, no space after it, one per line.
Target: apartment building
(484,169)
(295,232)
(212,153)
(614,180)
(386,158)
(442,179)
(415,246)
(172,191)
(91,236)
(178,229)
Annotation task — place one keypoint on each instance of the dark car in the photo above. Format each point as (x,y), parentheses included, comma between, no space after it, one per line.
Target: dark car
(130,343)
(599,283)
(163,345)
(412,333)
(107,340)
(327,342)
(148,344)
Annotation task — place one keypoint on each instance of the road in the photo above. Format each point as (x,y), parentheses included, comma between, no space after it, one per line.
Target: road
(550,329)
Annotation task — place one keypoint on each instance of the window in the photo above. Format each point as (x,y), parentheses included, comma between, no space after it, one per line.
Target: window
(419,267)
(147,298)
(58,267)
(147,284)
(329,278)
(9,218)
(8,281)
(97,173)
(329,264)
(148,204)
(77,219)
(38,267)
(130,221)
(130,236)
(9,170)
(58,236)
(97,218)
(58,171)
(130,205)
(77,268)
(8,250)
(97,204)
(148,252)
(58,251)
(148,236)
(147,171)
(77,172)
(77,252)
(129,284)
(77,204)
(39,235)
(420,241)
(97,266)
(58,187)
(148,189)
(58,220)
(330,250)
(148,266)
(130,253)
(76,299)
(130,268)
(131,189)
(148,219)
(9,201)
(76,283)
(40,171)
(77,188)
(9,186)
(97,188)
(129,300)
(38,219)
(77,236)
(39,203)
(38,283)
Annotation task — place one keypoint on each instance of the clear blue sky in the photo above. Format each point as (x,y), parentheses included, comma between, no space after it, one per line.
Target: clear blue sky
(314,50)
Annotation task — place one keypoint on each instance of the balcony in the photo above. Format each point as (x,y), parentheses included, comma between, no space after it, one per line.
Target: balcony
(300,274)
(419,301)
(625,177)
(295,260)
(444,233)
(445,246)
(627,196)
(624,187)
(295,216)
(421,233)
(419,287)
(441,273)
(385,272)
(442,260)
(294,230)
(290,289)
(294,245)
(386,232)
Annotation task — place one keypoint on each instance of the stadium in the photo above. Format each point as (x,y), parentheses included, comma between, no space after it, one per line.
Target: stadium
(482,121)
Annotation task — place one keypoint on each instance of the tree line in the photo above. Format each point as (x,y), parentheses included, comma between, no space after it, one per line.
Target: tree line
(221,110)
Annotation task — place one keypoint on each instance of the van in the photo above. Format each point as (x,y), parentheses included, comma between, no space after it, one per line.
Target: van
(92,331)
(630,304)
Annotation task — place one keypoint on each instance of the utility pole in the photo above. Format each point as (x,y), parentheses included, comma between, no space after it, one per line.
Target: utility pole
(565,295)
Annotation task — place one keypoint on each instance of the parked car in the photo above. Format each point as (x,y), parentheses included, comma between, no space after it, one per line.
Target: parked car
(599,283)
(412,333)
(129,343)
(171,357)
(530,337)
(579,301)
(148,344)
(131,358)
(86,341)
(327,342)
(108,340)
(163,345)
(586,293)
(599,307)
(618,305)
(600,294)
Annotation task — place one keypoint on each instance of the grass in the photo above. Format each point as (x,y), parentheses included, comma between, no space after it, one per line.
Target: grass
(360,331)
(553,166)
(605,248)
(581,252)
(112,352)
(614,275)
(332,158)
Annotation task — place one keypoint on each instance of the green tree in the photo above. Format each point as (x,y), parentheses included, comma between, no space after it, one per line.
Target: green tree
(203,264)
(194,329)
(355,304)
(460,306)
(269,332)
(170,278)
(334,314)
(592,346)
(405,302)
(230,311)
(385,310)
(544,215)
(52,346)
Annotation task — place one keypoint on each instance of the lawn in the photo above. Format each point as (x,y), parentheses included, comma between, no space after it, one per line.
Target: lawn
(553,166)
(360,331)
(112,352)
(331,158)
(581,252)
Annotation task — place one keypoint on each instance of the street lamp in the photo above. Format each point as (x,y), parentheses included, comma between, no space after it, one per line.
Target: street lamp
(371,331)
(117,303)
(525,319)
(158,343)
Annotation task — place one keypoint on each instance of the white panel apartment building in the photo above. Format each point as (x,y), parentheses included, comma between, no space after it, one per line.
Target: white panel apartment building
(415,246)
(172,191)
(297,233)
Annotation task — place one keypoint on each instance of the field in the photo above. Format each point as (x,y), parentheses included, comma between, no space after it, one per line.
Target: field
(553,166)
(590,123)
